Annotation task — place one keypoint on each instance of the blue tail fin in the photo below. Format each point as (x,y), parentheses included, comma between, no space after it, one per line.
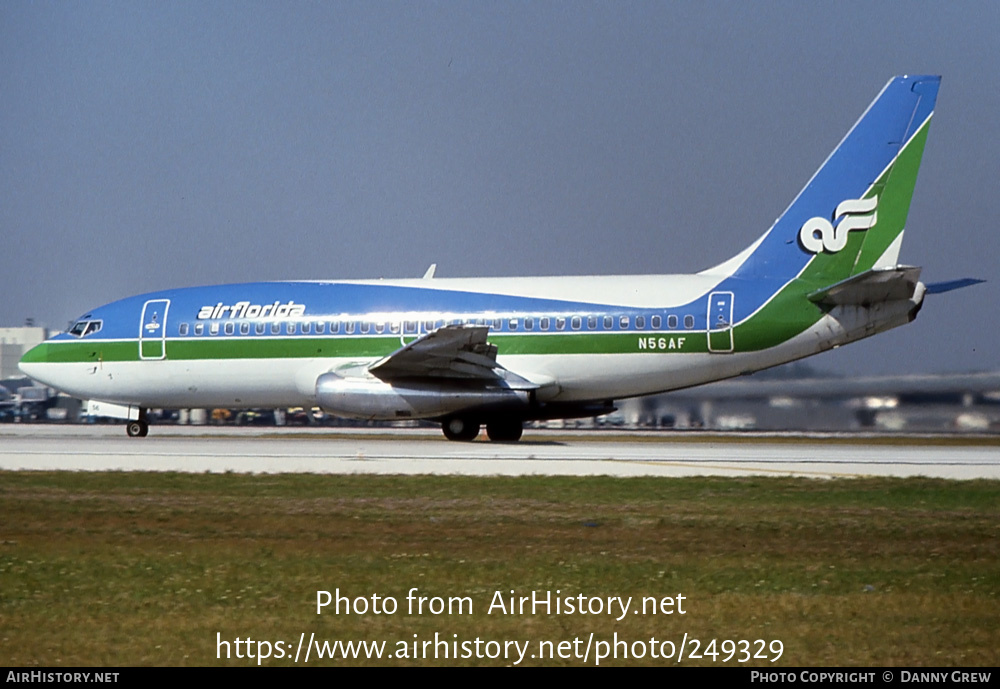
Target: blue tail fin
(850,216)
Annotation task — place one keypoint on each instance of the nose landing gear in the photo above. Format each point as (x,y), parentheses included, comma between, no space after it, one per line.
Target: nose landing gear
(139,428)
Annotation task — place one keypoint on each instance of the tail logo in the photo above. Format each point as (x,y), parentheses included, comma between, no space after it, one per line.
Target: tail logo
(819,234)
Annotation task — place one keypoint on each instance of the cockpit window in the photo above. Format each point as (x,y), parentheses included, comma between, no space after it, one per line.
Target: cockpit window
(84,328)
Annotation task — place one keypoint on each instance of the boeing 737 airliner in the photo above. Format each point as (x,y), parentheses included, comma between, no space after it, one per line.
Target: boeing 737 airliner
(502,351)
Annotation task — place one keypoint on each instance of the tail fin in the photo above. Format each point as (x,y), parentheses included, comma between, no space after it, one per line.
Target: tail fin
(850,217)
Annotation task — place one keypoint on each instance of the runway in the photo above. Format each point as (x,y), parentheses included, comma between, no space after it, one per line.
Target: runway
(329,451)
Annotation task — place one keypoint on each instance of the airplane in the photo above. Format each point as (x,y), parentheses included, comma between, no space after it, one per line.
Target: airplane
(468,352)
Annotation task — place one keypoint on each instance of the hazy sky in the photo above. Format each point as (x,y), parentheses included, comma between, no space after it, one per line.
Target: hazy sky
(147,145)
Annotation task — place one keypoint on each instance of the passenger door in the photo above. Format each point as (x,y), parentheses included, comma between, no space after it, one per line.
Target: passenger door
(153,329)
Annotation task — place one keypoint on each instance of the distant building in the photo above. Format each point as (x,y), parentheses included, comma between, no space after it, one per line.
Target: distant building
(918,402)
(14,342)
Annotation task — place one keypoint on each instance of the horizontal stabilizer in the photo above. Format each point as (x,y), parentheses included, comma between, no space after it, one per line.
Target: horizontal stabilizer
(870,287)
(942,287)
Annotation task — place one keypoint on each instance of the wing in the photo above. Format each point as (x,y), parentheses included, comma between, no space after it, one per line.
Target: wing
(453,352)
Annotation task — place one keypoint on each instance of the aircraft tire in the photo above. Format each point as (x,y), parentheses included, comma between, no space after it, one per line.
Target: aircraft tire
(460,428)
(137,429)
(506,431)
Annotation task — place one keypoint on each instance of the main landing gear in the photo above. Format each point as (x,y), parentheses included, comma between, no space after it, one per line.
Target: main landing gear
(460,428)
(498,430)
(504,431)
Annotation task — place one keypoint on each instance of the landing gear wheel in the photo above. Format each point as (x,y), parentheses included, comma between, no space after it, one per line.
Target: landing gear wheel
(137,429)
(458,428)
(506,431)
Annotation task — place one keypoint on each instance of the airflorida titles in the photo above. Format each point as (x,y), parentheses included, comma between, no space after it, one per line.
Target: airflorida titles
(244,309)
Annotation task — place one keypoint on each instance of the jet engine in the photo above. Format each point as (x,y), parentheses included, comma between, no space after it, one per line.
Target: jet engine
(369,398)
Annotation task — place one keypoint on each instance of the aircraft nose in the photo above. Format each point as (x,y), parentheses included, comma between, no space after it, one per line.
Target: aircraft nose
(51,365)
(32,364)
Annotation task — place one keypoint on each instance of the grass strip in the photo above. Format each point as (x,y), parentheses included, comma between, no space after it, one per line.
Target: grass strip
(148,568)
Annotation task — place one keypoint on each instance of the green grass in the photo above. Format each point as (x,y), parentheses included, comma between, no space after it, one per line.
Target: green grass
(133,568)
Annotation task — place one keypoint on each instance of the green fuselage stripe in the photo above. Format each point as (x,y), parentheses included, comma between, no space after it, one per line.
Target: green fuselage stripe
(189,349)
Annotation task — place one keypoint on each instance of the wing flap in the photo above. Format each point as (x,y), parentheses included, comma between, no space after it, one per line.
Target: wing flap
(454,352)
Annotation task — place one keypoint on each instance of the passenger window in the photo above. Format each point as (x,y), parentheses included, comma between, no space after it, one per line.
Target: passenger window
(230,327)
(183,329)
(672,322)
(576,322)
(306,328)
(529,323)
(543,323)
(380,328)
(349,327)
(289,328)
(213,329)
(640,322)
(591,322)
(244,328)
(199,328)
(560,323)
(275,328)
(366,327)
(259,328)
(320,328)
(334,327)
(655,322)
(623,322)
(512,324)
(394,328)
(689,321)
(609,323)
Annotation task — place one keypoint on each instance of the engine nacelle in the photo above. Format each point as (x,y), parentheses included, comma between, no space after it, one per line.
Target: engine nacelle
(372,399)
